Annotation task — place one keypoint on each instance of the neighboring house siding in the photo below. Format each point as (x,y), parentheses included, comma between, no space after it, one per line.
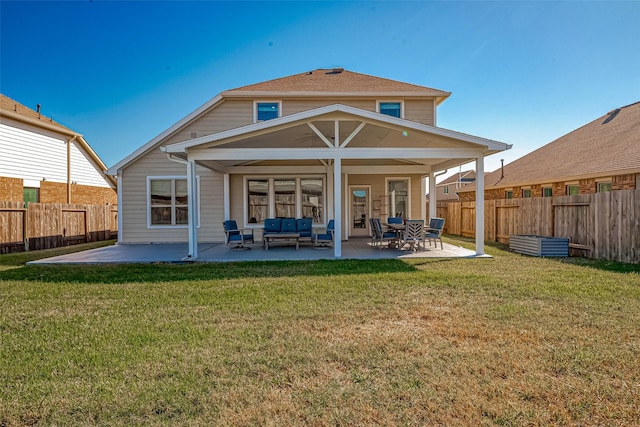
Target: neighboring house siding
(586,186)
(83,170)
(34,157)
(26,154)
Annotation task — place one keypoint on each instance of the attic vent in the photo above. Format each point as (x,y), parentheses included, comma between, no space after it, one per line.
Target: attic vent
(337,70)
(612,115)
(194,134)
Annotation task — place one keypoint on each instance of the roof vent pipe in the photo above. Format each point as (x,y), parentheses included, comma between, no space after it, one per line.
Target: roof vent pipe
(38,110)
(502,168)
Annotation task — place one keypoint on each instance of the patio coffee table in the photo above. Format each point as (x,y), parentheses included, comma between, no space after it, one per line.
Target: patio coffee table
(270,238)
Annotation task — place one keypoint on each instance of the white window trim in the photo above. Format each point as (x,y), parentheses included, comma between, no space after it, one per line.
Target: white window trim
(386,192)
(148,201)
(271,196)
(255,108)
(378,102)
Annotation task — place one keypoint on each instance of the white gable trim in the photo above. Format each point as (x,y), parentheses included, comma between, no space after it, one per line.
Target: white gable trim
(297,118)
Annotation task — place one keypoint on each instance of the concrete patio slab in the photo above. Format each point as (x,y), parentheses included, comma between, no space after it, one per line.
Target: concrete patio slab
(354,248)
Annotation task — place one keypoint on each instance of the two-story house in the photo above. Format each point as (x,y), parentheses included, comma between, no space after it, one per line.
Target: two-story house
(43,161)
(324,144)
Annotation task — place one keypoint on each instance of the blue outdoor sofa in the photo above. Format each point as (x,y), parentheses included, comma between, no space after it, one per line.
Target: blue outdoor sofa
(276,226)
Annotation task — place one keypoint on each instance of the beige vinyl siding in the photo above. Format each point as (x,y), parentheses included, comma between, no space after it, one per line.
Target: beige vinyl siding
(229,114)
(420,111)
(297,106)
(134,202)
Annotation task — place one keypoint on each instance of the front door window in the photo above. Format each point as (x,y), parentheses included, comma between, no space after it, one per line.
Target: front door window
(359,221)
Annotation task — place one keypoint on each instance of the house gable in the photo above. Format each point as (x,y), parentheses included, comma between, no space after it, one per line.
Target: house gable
(296,94)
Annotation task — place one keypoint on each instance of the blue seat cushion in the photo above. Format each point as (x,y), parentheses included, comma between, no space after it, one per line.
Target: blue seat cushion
(272,225)
(389,235)
(323,236)
(304,227)
(394,220)
(288,225)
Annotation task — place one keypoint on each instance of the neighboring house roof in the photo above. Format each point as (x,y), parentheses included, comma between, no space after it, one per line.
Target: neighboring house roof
(609,145)
(470,175)
(323,82)
(464,177)
(12,109)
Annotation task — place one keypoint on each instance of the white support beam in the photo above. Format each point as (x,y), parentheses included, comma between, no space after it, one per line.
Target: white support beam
(480,205)
(320,134)
(192,206)
(433,213)
(337,207)
(226,195)
(120,191)
(423,205)
(336,133)
(332,153)
(353,135)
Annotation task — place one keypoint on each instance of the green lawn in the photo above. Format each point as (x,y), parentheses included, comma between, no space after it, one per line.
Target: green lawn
(506,341)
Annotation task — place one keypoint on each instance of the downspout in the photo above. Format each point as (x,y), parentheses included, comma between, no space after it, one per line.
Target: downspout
(433,199)
(69,168)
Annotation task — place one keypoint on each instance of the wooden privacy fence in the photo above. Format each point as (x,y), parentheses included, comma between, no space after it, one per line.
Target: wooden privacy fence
(49,225)
(600,225)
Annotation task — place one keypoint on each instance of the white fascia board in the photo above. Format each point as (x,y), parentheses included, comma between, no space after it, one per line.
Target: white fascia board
(315,94)
(113,170)
(331,153)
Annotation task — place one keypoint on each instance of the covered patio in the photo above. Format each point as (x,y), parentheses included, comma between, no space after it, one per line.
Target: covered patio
(338,143)
(355,248)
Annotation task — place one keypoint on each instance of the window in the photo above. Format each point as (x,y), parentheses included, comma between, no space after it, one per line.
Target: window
(547,192)
(572,190)
(285,197)
(393,109)
(312,199)
(168,201)
(526,193)
(31,195)
(267,111)
(258,203)
(398,193)
(446,189)
(603,187)
(508,194)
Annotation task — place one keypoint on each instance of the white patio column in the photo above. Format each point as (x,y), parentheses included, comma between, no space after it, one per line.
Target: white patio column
(423,193)
(480,205)
(120,222)
(337,207)
(192,200)
(433,212)
(225,197)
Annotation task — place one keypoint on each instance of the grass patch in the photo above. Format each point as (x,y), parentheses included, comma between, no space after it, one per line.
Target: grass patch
(511,340)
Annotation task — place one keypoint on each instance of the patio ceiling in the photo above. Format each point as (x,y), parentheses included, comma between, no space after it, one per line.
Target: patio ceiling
(312,139)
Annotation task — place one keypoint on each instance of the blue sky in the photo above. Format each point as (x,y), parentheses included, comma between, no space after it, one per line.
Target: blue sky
(524,73)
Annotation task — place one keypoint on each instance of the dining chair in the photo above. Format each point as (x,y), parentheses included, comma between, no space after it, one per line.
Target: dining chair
(414,234)
(434,231)
(378,236)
